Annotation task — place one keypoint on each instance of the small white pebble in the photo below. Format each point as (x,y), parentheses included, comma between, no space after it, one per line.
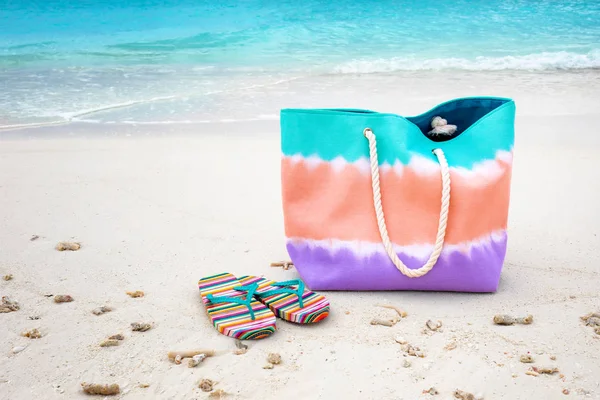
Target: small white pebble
(18,349)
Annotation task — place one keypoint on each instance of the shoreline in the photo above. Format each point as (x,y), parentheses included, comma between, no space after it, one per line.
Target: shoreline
(534,130)
(548,93)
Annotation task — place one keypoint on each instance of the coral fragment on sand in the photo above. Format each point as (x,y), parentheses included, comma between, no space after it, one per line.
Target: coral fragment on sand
(545,370)
(526,358)
(433,326)
(285,264)
(197,359)
(274,358)
(401,313)
(104,390)
(591,319)
(172,355)
(450,346)
(109,343)
(8,277)
(101,310)
(432,391)
(32,334)
(384,322)
(140,326)
(268,366)
(136,294)
(9,305)
(118,336)
(63,298)
(400,340)
(144,385)
(590,315)
(503,319)
(217,394)
(206,385)
(413,351)
(70,246)
(459,394)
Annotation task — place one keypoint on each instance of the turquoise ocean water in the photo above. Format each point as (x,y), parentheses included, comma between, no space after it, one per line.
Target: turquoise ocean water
(62,60)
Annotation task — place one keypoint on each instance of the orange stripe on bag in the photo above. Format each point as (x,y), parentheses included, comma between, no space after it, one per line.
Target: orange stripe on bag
(321,202)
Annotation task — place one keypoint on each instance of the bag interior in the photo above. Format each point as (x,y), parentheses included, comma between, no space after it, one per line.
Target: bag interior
(463,113)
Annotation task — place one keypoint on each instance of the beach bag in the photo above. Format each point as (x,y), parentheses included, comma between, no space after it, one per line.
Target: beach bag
(373,201)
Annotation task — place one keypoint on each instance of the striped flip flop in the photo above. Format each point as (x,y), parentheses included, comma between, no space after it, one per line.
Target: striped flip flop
(233,312)
(289,300)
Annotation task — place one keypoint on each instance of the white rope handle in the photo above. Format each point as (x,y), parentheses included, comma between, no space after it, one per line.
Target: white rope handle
(441,233)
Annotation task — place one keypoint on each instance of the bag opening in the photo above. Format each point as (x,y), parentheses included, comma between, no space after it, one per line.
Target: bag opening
(462,112)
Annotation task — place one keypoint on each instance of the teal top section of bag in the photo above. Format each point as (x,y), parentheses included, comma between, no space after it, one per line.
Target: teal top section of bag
(485,125)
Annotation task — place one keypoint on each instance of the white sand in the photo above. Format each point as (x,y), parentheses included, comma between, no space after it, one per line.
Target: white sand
(157,213)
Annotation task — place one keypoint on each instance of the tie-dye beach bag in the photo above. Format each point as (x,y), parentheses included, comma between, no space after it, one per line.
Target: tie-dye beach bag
(373,201)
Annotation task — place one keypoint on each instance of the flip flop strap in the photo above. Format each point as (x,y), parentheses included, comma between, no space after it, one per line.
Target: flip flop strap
(284,289)
(250,289)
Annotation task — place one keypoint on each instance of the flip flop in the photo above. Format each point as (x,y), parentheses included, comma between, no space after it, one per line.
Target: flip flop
(289,300)
(233,312)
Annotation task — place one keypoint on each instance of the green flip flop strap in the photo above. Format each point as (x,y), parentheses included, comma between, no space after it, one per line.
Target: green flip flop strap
(250,289)
(285,289)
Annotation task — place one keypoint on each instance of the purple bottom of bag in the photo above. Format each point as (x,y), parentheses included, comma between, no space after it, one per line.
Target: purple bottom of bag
(475,270)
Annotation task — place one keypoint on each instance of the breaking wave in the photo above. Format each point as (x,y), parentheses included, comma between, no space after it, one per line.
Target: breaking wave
(531,62)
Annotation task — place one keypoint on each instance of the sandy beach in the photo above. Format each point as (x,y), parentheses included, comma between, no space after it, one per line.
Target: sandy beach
(155,209)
